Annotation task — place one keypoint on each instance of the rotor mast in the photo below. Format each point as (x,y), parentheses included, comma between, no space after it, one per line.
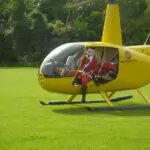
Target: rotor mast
(112,28)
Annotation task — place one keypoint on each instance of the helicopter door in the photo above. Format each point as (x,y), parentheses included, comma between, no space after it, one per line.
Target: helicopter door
(108,65)
(105,65)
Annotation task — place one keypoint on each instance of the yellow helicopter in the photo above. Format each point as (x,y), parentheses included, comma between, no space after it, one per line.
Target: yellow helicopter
(53,73)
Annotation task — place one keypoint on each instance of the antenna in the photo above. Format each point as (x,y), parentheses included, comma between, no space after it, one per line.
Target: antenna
(147,39)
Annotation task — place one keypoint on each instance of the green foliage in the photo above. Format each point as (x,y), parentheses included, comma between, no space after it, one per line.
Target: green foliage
(7,54)
(89,27)
(53,9)
(19,12)
(61,33)
(133,20)
(30,29)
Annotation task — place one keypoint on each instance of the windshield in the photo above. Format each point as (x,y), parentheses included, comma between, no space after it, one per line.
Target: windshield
(60,60)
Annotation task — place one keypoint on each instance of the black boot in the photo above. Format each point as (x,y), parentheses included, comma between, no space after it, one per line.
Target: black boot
(84,90)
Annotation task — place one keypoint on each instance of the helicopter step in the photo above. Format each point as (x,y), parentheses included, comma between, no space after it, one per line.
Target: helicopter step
(86,102)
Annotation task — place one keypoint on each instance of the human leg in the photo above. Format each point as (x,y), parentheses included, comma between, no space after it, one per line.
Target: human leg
(85,79)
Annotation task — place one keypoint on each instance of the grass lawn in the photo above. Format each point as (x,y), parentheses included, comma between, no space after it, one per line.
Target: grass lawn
(25,124)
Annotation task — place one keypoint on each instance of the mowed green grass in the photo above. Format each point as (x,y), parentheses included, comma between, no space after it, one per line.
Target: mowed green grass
(25,124)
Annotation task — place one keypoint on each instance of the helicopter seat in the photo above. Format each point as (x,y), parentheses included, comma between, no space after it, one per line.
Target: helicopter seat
(106,73)
(108,68)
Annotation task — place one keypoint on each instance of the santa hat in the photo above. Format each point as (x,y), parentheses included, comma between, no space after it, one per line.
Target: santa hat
(89,52)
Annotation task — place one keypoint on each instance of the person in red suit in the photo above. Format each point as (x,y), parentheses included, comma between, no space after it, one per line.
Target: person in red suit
(107,68)
(88,68)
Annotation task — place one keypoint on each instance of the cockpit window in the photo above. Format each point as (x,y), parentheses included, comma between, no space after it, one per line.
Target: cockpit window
(60,60)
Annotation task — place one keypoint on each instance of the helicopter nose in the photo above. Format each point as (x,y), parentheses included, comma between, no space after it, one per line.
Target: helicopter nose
(40,76)
(48,70)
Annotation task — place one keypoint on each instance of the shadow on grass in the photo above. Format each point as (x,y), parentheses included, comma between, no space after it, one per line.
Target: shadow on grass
(124,111)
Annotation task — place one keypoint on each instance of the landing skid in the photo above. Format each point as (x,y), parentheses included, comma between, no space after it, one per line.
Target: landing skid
(87,102)
(118,108)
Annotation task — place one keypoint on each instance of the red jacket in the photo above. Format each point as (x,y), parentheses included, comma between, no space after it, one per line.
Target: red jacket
(86,66)
(107,67)
(89,66)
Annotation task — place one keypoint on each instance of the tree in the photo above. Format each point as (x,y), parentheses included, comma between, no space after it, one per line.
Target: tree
(53,9)
(132,20)
(29,29)
(6,33)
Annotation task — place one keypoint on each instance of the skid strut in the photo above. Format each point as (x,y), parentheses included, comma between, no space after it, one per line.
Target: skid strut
(143,96)
(87,102)
(123,107)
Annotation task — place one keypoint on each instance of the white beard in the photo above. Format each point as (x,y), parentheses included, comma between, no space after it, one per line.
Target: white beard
(91,58)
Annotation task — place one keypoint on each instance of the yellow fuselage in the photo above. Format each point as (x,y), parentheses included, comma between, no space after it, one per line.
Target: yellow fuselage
(133,73)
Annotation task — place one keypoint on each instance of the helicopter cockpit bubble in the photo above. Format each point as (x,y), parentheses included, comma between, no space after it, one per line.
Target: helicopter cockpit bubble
(60,60)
